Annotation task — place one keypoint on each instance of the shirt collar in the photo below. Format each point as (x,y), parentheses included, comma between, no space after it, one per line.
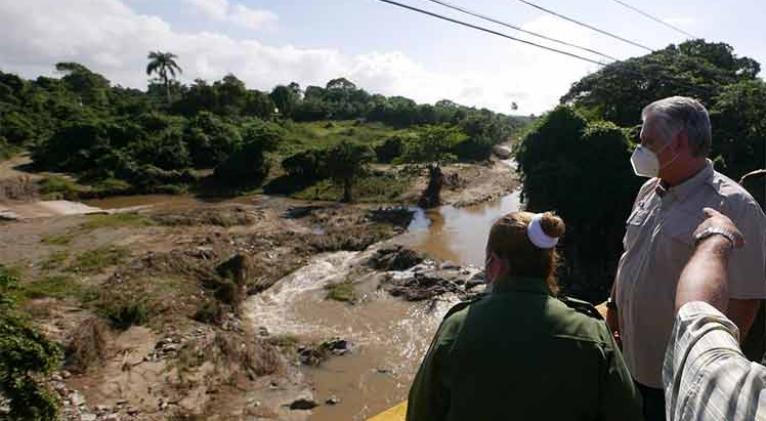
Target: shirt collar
(683,190)
(520,284)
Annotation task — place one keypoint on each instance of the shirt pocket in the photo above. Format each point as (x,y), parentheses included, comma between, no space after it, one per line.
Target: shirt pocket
(676,243)
(634,225)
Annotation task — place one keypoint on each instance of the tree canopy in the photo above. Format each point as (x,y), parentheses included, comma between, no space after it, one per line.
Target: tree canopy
(575,160)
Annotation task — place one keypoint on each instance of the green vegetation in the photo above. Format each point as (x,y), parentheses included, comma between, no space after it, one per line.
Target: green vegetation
(575,160)
(125,312)
(93,261)
(51,287)
(25,355)
(341,291)
(114,140)
(58,239)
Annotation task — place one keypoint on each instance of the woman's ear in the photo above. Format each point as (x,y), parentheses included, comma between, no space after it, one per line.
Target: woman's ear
(495,267)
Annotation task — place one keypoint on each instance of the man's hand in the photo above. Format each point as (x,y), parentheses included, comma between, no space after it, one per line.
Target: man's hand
(717,221)
(704,278)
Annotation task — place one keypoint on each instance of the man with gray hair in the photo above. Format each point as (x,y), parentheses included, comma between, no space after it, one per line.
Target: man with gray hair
(675,142)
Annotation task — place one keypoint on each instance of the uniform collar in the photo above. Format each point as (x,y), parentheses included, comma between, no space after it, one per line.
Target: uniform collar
(681,191)
(520,284)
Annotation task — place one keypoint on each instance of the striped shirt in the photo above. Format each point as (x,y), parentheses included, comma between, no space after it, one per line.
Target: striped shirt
(706,376)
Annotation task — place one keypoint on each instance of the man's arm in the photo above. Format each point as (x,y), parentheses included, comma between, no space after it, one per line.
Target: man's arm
(705,276)
(743,313)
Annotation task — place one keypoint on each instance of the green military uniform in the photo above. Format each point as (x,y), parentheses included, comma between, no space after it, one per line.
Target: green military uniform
(519,353)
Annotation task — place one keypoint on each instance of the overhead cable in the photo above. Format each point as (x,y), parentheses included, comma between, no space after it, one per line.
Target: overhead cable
(654,18)
(500,34)
(591,27)
(508,25)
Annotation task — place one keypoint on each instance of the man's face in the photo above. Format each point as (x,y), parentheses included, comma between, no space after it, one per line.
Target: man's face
(654,138)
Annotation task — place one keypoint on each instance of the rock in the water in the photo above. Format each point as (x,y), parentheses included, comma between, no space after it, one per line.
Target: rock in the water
(398,216)
(502,152)
(395,258)
(332,400)
(337,346)
(303,404)
(238,268)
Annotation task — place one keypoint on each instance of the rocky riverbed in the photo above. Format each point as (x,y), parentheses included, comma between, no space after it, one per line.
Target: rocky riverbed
(255,308)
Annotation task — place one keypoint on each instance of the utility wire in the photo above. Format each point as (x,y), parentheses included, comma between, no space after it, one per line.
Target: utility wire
(654,18)
(628,70)
(593,28)
(500,34)
(508,25)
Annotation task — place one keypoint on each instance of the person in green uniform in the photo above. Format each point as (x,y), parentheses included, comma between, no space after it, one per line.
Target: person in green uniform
(521,352)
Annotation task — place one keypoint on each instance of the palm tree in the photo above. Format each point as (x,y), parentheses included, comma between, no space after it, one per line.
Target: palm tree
(162,64)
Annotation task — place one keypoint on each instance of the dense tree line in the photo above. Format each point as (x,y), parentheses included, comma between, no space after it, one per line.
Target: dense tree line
(576,158)
(120,139)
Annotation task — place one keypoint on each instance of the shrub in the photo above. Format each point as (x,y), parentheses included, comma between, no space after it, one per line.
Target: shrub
(87,346)
(391,149)
(24,354)
(126,312)
(341,291)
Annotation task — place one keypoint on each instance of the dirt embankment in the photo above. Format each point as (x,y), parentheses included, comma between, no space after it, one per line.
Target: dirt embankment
(468,184)
(147,304)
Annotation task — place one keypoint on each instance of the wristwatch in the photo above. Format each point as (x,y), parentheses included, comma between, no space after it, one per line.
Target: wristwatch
(710,231)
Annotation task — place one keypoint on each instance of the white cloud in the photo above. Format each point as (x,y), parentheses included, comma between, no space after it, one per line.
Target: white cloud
(114,40)
(213,9)
(238,14)
(251,18)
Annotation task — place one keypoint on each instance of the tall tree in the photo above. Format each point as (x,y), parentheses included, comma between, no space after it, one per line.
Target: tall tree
(346,162)
(165,66)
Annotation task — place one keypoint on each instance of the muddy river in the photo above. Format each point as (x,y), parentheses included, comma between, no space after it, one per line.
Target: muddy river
(389,335)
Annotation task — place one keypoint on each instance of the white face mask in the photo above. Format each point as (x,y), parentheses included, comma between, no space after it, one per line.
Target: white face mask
(645,162)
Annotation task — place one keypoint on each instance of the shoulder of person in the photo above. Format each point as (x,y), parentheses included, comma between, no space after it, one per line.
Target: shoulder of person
(463,305)
(581,306)
(649,186)
(738,201)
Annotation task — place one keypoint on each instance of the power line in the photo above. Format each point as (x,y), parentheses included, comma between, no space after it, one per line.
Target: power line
(656,19)
(593,28)
(490,31)
(508,25)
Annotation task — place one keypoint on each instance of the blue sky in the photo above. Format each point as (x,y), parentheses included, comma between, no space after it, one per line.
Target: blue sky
(383,48)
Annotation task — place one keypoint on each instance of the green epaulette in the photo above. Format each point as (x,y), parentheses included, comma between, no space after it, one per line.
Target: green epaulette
(581,306)
(463,304)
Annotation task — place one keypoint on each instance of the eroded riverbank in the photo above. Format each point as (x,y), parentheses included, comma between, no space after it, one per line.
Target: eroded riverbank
(202,348)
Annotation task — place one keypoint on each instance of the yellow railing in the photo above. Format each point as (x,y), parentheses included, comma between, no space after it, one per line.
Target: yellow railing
(396,413)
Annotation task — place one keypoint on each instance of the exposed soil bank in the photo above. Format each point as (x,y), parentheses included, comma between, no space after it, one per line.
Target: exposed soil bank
(192,344)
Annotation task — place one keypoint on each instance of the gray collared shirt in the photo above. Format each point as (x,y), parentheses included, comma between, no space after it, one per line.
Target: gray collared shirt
(706,376)
(658,243)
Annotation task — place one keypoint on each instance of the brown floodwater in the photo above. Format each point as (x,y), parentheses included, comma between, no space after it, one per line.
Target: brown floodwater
(458,234)
(389,335)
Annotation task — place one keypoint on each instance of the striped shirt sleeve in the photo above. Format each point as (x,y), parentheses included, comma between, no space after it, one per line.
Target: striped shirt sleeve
(705,374)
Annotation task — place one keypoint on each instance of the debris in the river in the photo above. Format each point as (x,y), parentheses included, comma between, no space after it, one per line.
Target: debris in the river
(398,216)
(424,285)
(395,257)
(332,400)
(431,196)
(314,355)
(297,212)
(303,404)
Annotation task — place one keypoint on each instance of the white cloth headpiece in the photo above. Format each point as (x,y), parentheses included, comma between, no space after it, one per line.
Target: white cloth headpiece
(537,236)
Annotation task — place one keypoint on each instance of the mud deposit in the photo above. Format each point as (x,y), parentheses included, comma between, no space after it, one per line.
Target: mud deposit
(248,308)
